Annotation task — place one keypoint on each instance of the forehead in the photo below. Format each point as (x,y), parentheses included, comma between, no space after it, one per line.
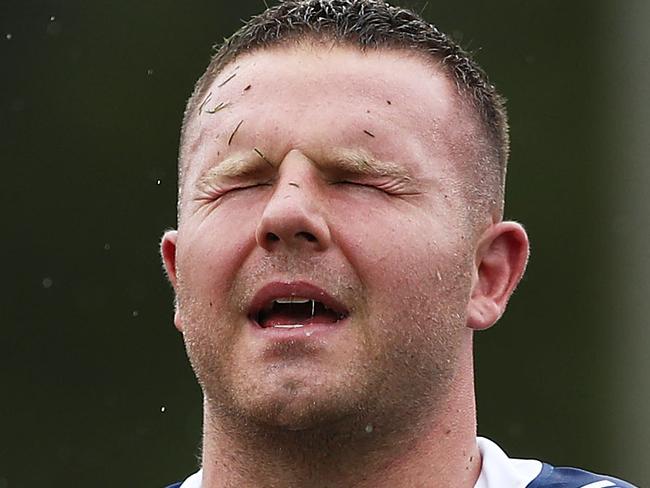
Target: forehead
(287,97)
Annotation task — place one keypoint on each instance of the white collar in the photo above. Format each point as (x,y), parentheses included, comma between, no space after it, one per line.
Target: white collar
(499,471)
(193,481)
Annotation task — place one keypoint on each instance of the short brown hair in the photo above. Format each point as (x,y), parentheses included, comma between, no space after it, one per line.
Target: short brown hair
(374,24)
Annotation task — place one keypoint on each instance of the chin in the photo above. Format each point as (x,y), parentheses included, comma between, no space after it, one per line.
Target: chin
(317,417)
(292,403)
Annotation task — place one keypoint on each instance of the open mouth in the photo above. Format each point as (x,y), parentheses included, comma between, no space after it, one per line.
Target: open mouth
(296,312)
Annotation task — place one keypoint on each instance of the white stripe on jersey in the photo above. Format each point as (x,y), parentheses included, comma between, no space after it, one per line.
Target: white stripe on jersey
(600,484)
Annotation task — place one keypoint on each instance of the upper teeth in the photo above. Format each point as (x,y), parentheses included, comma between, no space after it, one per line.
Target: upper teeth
(299,300)
(292,300)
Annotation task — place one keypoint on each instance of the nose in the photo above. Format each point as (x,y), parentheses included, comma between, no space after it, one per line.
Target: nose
(293,218)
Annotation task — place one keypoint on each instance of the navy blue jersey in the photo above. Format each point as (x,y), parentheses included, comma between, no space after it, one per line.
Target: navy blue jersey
(552,477)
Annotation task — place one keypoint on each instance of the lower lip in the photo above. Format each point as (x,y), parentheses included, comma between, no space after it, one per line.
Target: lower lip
(305,332)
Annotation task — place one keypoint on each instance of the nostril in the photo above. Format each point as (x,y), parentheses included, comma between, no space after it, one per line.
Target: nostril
(272,237)
(307,236)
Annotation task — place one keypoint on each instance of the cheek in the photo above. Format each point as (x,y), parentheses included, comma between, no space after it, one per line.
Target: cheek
(415,259)
(391,247)
(209,258)
(211,253)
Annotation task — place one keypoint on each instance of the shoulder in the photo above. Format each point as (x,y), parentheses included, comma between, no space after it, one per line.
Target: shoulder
(500,471)
(554,477)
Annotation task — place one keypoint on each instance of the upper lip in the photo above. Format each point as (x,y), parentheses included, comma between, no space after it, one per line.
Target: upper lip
(302,289)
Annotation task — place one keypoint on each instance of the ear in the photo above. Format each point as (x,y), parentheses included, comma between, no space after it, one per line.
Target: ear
(501,259)
(168,254)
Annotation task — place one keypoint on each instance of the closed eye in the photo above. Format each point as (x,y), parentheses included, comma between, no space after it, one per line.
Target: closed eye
(249,187)
(214,194)
(392,187)
(346,182)
(358,184)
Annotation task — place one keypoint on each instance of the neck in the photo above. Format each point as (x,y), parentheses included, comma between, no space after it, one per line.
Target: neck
(436,449)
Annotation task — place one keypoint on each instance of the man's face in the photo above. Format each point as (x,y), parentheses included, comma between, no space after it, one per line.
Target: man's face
(323,264)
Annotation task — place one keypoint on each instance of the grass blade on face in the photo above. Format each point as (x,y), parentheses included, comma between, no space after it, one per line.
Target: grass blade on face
(234,132)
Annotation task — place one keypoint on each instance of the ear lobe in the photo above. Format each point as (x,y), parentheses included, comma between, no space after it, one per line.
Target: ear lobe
(168,254)
(500,263)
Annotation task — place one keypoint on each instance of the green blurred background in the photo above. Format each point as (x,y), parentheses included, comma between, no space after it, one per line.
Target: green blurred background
(95,389)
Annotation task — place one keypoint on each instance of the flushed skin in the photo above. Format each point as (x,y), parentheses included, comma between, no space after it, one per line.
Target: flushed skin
(276,189)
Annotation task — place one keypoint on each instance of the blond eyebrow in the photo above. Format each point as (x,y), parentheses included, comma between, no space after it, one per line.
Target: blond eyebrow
(363,163)
(234,167)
